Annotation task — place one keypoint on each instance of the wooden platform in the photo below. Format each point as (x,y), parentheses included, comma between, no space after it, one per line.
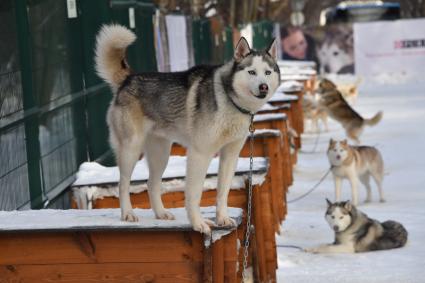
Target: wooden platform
(94,246)
(262,257)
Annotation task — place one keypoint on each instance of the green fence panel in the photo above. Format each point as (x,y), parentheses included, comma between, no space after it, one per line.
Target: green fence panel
(262,34)
(14,182)
(228,44)
(57,86)
(98,95)
(43,126)
(145,35)
(202,41)
(137,16)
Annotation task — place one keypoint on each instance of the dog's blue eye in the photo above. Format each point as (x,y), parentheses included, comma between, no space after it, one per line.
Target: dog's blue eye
(252,72)
(333,217)
(268,73)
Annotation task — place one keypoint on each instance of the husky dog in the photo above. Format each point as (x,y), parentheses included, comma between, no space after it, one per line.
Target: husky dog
(353,163)
(336,53)
(206,108)
(355,232)
(341,111)
(314,111)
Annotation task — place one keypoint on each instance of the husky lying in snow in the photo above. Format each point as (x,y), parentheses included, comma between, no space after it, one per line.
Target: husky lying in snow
(356,232)
(207,109)
(339,109)
(354,163)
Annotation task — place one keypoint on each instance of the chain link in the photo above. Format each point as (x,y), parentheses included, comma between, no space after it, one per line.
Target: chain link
(248,216)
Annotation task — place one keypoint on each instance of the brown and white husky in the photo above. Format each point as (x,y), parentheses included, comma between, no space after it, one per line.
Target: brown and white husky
(355,163)
(339,109)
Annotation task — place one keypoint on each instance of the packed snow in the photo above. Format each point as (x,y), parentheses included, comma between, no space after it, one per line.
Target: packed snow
(92,173)
(105,219)
(400,138)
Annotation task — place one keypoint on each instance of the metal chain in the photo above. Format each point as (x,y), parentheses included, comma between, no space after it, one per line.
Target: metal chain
(248,214)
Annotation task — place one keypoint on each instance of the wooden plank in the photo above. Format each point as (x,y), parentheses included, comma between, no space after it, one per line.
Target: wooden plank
(102,247)
(259,233)
(218,261)
(230,257)
(237,198)
(164,272)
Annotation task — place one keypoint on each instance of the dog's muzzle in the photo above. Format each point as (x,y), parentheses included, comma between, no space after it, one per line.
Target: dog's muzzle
(263,91)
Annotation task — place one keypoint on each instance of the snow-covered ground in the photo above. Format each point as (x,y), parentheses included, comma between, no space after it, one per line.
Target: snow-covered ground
(400,137)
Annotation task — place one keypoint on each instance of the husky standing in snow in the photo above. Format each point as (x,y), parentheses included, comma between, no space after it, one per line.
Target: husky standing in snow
(339,109)
(354,163)
(356,232)
(206,108)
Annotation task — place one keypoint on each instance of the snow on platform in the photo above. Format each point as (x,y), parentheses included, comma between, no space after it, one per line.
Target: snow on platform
(282,97)
(400,137)
(100,219)
(269,117)
(92,173)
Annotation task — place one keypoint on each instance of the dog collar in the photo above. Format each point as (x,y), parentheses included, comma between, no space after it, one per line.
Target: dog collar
(242,110)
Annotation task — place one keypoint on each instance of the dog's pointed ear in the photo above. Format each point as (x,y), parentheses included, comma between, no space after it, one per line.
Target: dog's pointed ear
(241,50)
(272,49)
(328,202)
(331,142)
(348,206)
(344,142)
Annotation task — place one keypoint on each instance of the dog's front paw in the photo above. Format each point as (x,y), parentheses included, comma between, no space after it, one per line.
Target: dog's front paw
(225,221)
(165,215)
(203,226)
(129,216)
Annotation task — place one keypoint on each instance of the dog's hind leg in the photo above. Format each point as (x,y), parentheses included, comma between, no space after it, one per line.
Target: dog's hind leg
(352,177)
(157,151)
(378,177)
(365,179)
(127,155)
(197,166)
(228,159)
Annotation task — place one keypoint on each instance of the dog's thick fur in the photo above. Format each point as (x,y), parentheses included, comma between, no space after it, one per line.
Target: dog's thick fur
(355,232)
(354,163)
(341,111)
(349,90)
(207,109)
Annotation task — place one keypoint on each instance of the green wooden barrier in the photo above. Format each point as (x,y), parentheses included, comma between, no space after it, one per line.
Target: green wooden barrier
(202,41)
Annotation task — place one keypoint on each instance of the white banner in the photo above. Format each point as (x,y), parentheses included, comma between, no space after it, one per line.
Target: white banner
(390,51)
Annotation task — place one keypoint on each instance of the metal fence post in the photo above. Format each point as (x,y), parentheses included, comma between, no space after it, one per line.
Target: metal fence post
(30,104)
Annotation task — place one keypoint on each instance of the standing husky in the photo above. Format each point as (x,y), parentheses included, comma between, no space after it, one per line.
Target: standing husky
(353,163)
(356,232)
(207,109)
(341,111)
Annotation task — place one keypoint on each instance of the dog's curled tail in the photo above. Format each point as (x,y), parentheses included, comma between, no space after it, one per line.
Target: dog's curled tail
(111,44)
(394,236)
(374,120)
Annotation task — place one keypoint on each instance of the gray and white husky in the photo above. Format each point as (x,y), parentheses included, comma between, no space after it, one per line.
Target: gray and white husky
(206,108)
(356,232)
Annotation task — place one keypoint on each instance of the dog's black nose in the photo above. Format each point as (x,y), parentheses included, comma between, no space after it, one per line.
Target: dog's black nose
(327,69)
(263,87)
(336,228)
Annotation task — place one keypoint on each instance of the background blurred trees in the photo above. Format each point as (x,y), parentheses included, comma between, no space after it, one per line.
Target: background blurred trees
(234,12)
